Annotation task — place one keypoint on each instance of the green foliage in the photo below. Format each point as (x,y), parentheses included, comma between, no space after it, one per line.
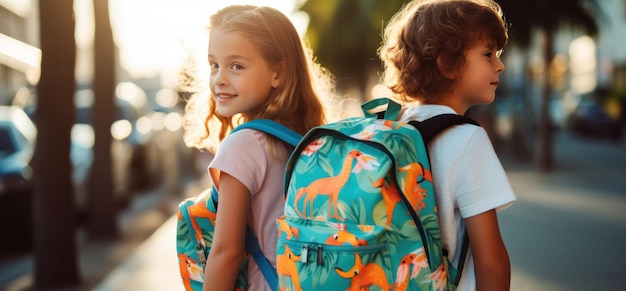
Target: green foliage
(345,35)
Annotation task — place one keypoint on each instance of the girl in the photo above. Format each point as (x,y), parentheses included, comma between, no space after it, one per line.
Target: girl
(259,69)
(445,55)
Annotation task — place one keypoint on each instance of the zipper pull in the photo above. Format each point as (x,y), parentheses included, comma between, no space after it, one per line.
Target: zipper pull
(320,259)
(201,255)
(304,253)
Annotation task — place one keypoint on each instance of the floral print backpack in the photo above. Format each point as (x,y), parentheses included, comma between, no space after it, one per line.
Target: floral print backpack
(361,212)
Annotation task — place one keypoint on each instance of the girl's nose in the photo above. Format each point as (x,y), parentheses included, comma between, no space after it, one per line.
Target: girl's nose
(219,78)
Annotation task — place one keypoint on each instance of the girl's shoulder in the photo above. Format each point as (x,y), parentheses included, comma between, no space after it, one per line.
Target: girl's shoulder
(245,139)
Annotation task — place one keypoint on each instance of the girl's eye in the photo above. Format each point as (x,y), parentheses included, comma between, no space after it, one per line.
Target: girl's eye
(236,67)
(214,66)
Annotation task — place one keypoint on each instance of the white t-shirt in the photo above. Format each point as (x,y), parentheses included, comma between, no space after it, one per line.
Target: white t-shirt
(468,179)
(245,156)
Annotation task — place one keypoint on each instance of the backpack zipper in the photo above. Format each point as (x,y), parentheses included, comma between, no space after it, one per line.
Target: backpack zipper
(200,251)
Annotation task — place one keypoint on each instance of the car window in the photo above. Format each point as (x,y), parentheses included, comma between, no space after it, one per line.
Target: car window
(7,145)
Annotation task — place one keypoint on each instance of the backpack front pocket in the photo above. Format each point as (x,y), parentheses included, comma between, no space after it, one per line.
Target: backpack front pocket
(314,254)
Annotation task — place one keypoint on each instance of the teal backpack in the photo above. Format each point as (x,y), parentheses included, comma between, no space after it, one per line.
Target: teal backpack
(196,225)
(361,212)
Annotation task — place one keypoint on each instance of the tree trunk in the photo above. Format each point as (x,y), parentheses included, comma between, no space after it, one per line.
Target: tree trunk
(102,223)
(546,162)
(56,262)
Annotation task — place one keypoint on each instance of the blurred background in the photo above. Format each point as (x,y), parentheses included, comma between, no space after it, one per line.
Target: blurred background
(92,94)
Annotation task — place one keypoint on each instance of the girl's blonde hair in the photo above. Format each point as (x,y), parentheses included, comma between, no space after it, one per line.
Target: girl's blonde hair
(428,37)
(295,103)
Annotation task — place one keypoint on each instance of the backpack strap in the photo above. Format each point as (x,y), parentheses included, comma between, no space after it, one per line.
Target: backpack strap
(272,128)
(462,258)
(430,127)
(291,137)
(252,247)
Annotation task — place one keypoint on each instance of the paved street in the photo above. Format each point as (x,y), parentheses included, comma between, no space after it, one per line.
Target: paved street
(568,229)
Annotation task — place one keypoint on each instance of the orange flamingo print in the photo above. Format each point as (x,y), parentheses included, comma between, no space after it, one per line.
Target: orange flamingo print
(417,259)
(327,186)
(286,267)
(313,147)
(189,270)
(283,226)
(412,188)
(369,132)
(364,276)
(439,278)
(390,194)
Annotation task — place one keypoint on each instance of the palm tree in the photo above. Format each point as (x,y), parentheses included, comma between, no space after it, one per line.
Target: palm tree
(102,223)
(55,245)
(548,16)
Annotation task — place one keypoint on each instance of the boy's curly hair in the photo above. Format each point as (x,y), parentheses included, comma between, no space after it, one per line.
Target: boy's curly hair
(428,37)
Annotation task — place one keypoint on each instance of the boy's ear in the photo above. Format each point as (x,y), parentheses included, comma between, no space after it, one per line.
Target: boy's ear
(278,75)
(445,71)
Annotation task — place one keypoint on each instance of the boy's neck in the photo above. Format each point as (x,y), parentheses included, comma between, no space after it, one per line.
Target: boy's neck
(455,103)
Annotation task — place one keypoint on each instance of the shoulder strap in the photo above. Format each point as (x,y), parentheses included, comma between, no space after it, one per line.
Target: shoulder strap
(291,137)
(252,247)
(430,127)
(272,128)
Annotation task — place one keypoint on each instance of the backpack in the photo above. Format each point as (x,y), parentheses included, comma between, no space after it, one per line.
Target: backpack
(196,225)
(360,212)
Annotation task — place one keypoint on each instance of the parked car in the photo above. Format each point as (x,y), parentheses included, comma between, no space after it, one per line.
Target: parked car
(590,119)
(17,142)
(136,158)
(133,154)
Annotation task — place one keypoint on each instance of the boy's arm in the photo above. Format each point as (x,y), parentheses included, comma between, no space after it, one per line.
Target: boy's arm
(491,260)
(229,238)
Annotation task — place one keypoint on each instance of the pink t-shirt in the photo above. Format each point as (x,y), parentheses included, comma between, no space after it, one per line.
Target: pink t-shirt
(245,155)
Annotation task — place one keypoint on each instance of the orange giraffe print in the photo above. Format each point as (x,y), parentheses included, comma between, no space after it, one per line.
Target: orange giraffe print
(286,267)
(283,226)
(412,189)
(364,276)
(189,270)
(417,259)
(390,196)
(327,186)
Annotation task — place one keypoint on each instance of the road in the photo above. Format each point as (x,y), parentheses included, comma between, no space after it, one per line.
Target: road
(567,231)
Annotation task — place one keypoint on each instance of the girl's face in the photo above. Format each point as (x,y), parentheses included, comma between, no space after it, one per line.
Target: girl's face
(480,77)
(241,79)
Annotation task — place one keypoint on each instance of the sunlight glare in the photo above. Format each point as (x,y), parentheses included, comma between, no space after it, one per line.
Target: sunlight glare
(153,35)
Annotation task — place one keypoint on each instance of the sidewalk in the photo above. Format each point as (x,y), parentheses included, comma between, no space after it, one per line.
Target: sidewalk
(153,265)
(148,212)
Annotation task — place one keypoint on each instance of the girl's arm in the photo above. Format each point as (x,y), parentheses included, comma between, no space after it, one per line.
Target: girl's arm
(491,260)
(229,238)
